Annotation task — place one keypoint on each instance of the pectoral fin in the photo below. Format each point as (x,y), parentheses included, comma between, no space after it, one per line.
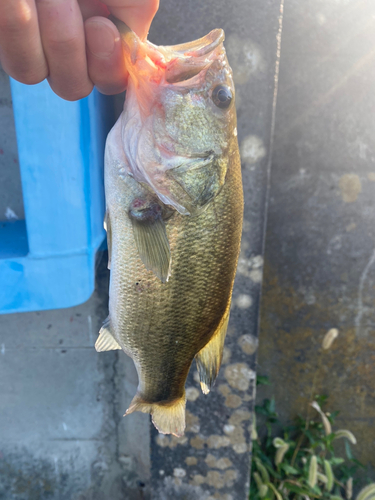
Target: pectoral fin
(209,358)
(105,341)
(151,238)
(107,227)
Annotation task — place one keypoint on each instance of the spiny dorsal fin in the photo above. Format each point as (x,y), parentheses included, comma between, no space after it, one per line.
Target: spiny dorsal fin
(151,237)
(105,341)
(209,358)
(107,227)
(167,418)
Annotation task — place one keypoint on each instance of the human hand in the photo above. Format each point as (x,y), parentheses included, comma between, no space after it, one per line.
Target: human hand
(70,42)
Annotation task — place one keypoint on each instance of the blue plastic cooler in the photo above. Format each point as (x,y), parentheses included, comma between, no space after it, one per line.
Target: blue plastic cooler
(47,261)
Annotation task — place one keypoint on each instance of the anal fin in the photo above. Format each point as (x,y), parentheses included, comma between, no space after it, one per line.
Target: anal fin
(105,341)
(209,358)
(168,418)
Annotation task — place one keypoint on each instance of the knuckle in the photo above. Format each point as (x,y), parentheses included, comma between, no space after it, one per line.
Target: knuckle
(15,20)
(63,47)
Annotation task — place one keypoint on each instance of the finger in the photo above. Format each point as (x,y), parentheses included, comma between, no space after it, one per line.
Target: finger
(21,51)
(104,56)
(90,8)
(63,39)
(137,14)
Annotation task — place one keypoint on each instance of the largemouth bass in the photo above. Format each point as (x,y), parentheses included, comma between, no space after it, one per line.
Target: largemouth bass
(174,218)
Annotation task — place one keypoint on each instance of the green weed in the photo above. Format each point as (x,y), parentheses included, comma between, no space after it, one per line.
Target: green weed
(299,462)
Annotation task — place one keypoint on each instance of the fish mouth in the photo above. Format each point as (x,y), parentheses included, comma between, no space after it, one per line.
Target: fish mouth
(179,62)
(184,61)
(187,60)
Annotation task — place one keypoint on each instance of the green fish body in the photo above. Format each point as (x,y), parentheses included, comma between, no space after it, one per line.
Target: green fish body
(174,219)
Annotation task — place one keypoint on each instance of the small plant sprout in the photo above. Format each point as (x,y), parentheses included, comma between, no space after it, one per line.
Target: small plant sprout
(263,490)
(274,490)
(329,338)
(254,434)
(367,493)
(278,442)
(326,422)
(329,474)
(346,434)
(349,488)
(282,448)
(313,471)
(263,471)
(322,478)
(258,480)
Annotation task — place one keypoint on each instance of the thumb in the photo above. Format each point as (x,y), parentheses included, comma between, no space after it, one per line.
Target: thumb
(137,14)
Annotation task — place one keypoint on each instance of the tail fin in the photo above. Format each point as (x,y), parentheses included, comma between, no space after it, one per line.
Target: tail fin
(168,418)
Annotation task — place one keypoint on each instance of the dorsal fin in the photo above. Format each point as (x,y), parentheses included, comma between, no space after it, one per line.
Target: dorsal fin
(106,341)
(209,358)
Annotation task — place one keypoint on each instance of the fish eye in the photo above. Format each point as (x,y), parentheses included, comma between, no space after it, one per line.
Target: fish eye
(222,96)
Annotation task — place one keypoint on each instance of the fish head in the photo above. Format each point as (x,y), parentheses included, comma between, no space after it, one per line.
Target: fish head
(179,118)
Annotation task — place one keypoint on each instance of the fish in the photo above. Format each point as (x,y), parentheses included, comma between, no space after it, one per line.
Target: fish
(174,212)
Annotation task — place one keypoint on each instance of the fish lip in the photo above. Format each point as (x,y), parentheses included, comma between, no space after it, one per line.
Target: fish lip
(187,60)
(200,47)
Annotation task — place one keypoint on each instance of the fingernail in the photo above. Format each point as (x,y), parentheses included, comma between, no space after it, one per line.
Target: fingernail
(100,39)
